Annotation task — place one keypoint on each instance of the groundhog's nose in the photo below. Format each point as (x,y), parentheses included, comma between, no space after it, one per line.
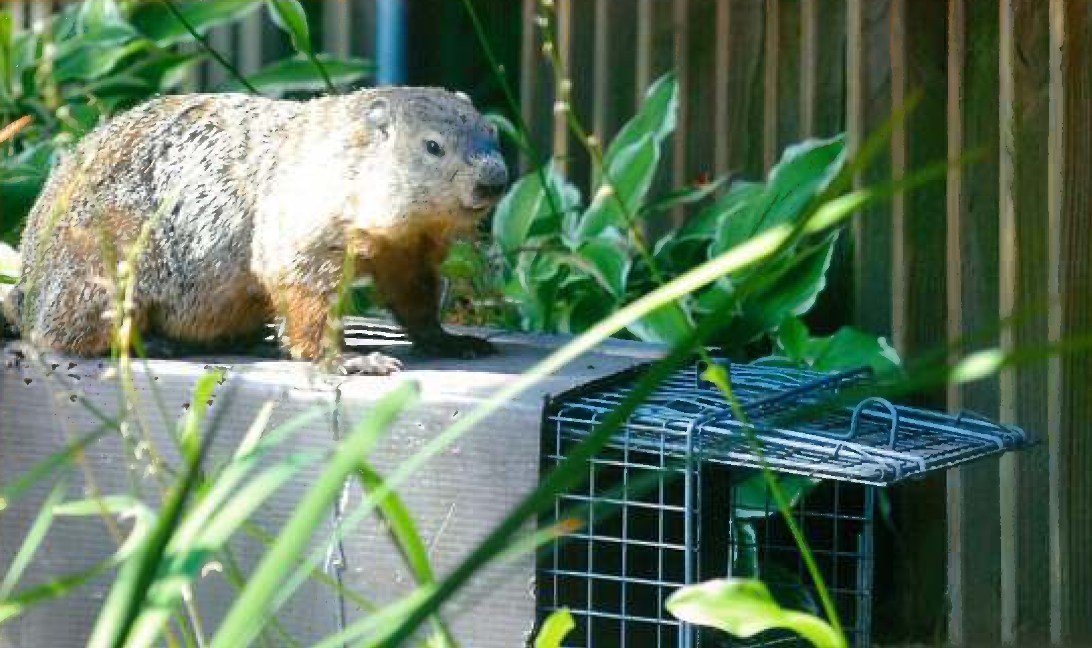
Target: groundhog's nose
(492,183)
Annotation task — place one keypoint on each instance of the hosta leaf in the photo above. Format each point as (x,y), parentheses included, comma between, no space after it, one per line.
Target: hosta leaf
(744,608)
(156,21)
(657,118)
(794,292)
(298,73)
(632,173)
(610,261)
(292,19)
(668,324)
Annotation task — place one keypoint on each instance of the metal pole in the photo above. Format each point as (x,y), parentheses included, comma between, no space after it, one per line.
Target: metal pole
(391,42)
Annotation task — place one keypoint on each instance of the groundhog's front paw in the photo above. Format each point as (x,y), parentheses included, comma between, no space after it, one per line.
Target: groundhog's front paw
(372,364)
(447,345)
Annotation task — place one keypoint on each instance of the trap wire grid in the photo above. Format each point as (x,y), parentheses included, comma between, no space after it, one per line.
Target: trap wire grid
(874,442)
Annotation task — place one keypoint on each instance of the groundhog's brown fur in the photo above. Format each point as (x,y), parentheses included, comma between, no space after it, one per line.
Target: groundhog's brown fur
(251,205)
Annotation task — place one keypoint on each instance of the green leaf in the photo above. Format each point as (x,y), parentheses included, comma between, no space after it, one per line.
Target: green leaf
(254,602)
(610,262)
(157,23)
(851,348)
(668,324)
(632,173)
(292,19)
(554,629)
(33,539)
(804,171)
(49,466)
(792,337)
(657,118)
(298,73)
(524,203)
(89,58)
(707,222)
(744,608)
(96,14)
(800,279)
(685,196)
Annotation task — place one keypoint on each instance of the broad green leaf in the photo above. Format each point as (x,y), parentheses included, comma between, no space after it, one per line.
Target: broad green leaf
(851,348)
(685,196)
(792,338)
(657,118)
(632,173)
(667,324)
(794,292)
(298,73)
(610,262)
(517,210)
(254,602)
(804,171)
(292,19)
(706,223)
(87,58)
(744,608)
(157,23)
(554,629)
(463,261)
(96,14)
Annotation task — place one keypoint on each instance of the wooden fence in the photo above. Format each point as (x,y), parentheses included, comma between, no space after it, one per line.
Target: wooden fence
(1008,238)
(997,550)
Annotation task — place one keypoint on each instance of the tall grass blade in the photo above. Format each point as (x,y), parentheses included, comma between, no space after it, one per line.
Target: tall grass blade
(33,539)
(240,627)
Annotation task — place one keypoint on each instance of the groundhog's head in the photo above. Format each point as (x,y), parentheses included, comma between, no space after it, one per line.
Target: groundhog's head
(446,157)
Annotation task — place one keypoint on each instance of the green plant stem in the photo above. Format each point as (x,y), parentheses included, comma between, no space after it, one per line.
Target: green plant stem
(223,62)
(513,105)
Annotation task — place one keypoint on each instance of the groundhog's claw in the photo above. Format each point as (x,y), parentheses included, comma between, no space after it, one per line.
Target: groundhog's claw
(372,364)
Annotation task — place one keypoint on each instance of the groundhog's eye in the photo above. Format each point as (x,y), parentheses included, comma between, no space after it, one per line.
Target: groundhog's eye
(433,147)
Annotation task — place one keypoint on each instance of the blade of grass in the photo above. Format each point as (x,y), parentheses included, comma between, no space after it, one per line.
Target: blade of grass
(33,539)
(124,602)
(238,628)
(49,466)
(405,535)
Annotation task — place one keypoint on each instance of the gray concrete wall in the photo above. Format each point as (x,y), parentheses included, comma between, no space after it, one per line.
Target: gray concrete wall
(455,499)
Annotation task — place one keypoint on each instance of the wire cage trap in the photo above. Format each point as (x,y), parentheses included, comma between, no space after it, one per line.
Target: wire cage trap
(677,497)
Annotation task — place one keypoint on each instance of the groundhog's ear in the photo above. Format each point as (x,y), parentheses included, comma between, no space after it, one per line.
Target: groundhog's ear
(378,116)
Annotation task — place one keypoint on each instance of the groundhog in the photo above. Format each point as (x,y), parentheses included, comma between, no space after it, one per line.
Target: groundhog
(250,208)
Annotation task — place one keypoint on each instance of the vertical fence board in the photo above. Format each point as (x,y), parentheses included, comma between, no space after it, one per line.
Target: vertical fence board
(18,16)
(563,44)
(701,100)
(643,55)
(250,41)
(600,61)
(681,47)
(918,34)
(581,72)
(1024,479)
(721,96)
(1056,163)
(621,79)
(336,27)
(973,504)
(1075,287)
(871,54)
(740,80)
(771,64)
